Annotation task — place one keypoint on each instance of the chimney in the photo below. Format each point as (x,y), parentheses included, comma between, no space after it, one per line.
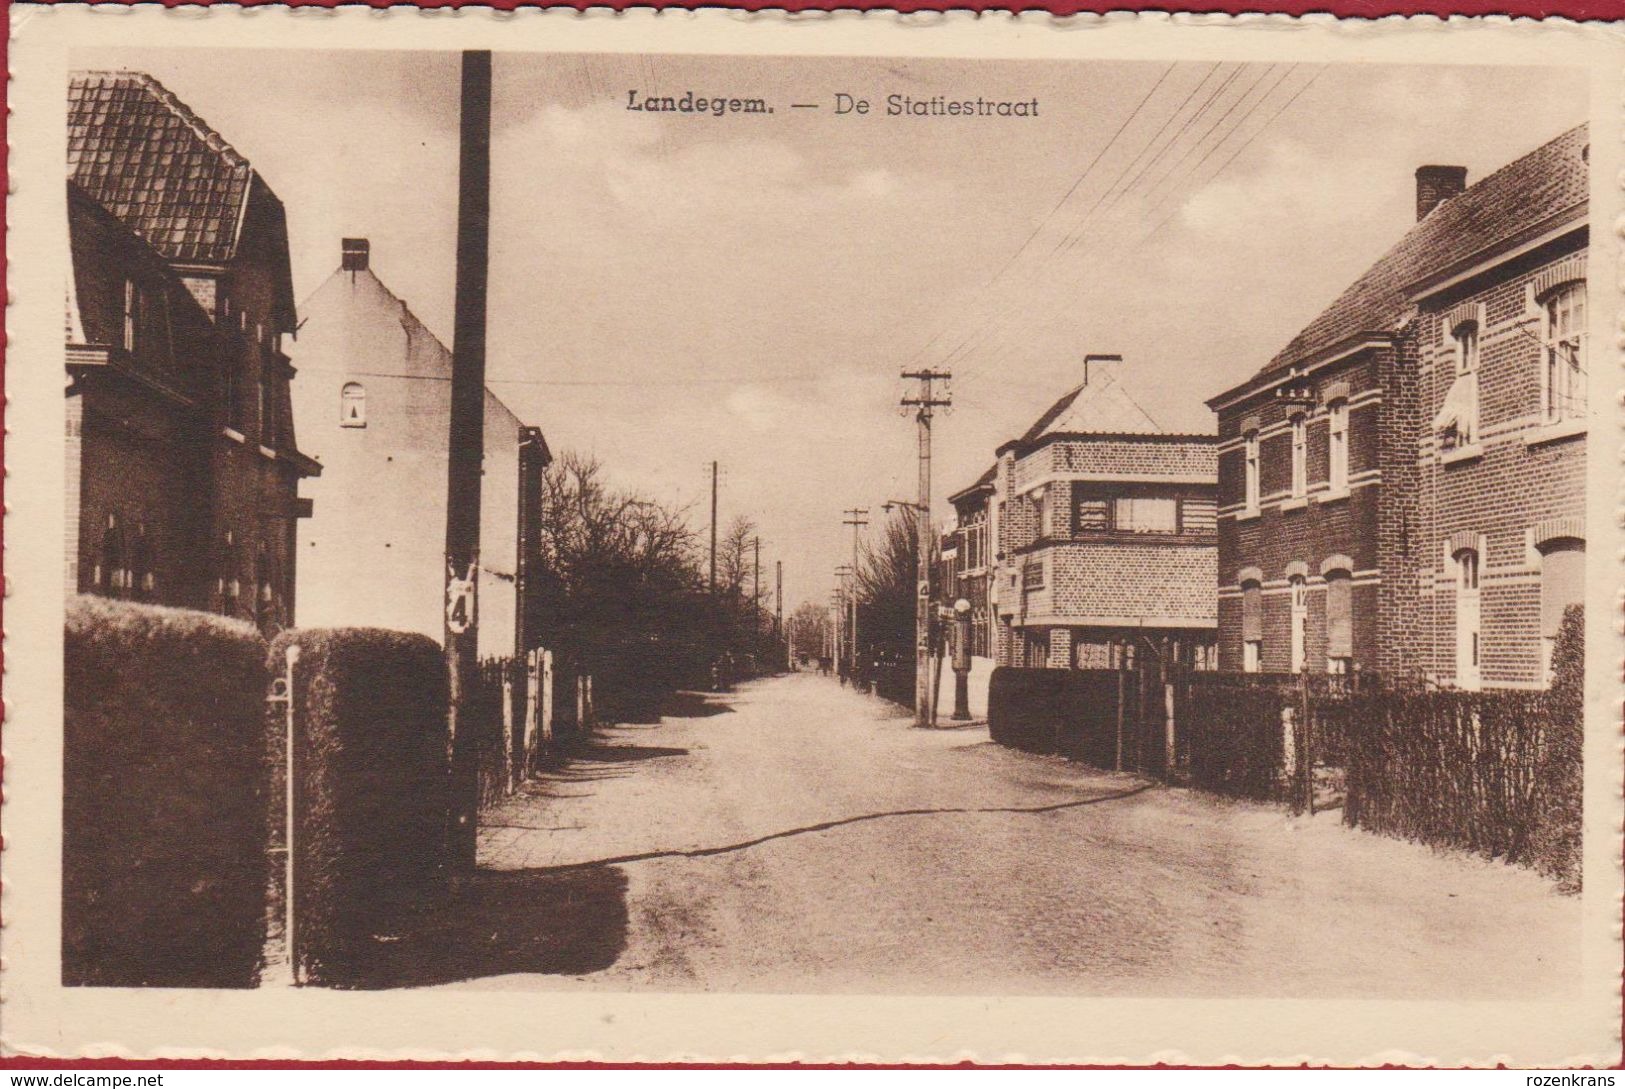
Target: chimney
(1437,184)
(353,254)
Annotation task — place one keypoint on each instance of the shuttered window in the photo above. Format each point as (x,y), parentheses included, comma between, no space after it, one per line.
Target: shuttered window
(1339,615)
(1198,516)
(1252,611)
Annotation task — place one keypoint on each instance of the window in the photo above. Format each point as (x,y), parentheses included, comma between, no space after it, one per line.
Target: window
(143,583)
(1339,621)
(1032,574)
(132,301)
(1457,421)
(1299,589)
(1147,515)
(1564,380)
(353,405)
(1091,514)
(1251,493)
(1467,619)
(1300,456)
(1337,446)
(1562,583)
(228,583)
(1198,516)
(1252,626)
(111,576)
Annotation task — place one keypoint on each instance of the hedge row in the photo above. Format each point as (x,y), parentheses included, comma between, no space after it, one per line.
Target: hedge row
(371,792)
(1071,712)
(1498,773)
(165,791)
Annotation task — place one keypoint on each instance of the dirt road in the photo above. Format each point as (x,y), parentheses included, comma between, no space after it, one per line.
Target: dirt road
(797,836)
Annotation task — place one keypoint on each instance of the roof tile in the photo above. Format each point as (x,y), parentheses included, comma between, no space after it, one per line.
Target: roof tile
(140,152)
(1544,183)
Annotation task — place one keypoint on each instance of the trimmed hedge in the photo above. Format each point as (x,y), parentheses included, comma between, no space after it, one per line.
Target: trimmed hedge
(164,795)
(371,791)
(1072,712)
(1497,773)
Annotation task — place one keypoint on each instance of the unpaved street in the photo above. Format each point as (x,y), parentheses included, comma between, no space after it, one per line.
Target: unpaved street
(796,836)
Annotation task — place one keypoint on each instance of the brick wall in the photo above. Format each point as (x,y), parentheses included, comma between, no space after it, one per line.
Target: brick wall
(1515,482)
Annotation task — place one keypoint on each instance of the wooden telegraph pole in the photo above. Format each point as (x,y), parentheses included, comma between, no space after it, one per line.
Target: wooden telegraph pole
(926,399)
(466,449)
(857,520)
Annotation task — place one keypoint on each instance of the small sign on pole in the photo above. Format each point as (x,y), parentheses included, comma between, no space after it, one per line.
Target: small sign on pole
(460,601)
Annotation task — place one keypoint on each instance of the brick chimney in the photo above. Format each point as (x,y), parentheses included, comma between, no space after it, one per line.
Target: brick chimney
(354,252)
(1437,184)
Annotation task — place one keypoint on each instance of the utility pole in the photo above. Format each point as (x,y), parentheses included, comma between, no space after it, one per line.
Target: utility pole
(713,529)
(927,398)
(857,520)
(778,607)
(466,448)
(534,457)
(756,591)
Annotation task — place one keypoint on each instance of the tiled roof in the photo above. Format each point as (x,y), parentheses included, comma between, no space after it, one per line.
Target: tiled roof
(138,151)
(983,481)
(1100,407)
(1520,195)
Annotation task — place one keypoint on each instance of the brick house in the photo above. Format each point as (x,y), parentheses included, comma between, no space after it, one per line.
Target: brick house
(1401,488)
(183,472)
(374,400)
(968,559)
(1105,536)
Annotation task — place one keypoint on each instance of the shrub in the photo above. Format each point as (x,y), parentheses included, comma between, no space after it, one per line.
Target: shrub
(371,790)
(1233,733)
(164,795)
(1025,708)
(1555,841)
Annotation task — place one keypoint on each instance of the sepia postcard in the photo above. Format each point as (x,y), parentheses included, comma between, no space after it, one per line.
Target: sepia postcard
(840,538)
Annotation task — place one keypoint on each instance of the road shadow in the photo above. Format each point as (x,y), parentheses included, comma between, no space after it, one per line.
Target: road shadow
(686,704)
(493,923)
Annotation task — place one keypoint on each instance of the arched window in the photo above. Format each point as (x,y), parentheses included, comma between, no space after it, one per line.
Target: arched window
(1298,588)
(1251,493)
(1337,445)
(1467,619)
(1252,626)
(1562,583)
(1339,621)
(1563,372)
(1300,455)
(353,405)
(1457,420)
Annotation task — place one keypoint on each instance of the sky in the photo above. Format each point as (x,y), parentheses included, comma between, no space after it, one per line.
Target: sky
(669,289)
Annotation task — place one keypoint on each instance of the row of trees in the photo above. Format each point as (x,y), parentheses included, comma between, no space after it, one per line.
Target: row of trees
(625,591)
(885,586)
